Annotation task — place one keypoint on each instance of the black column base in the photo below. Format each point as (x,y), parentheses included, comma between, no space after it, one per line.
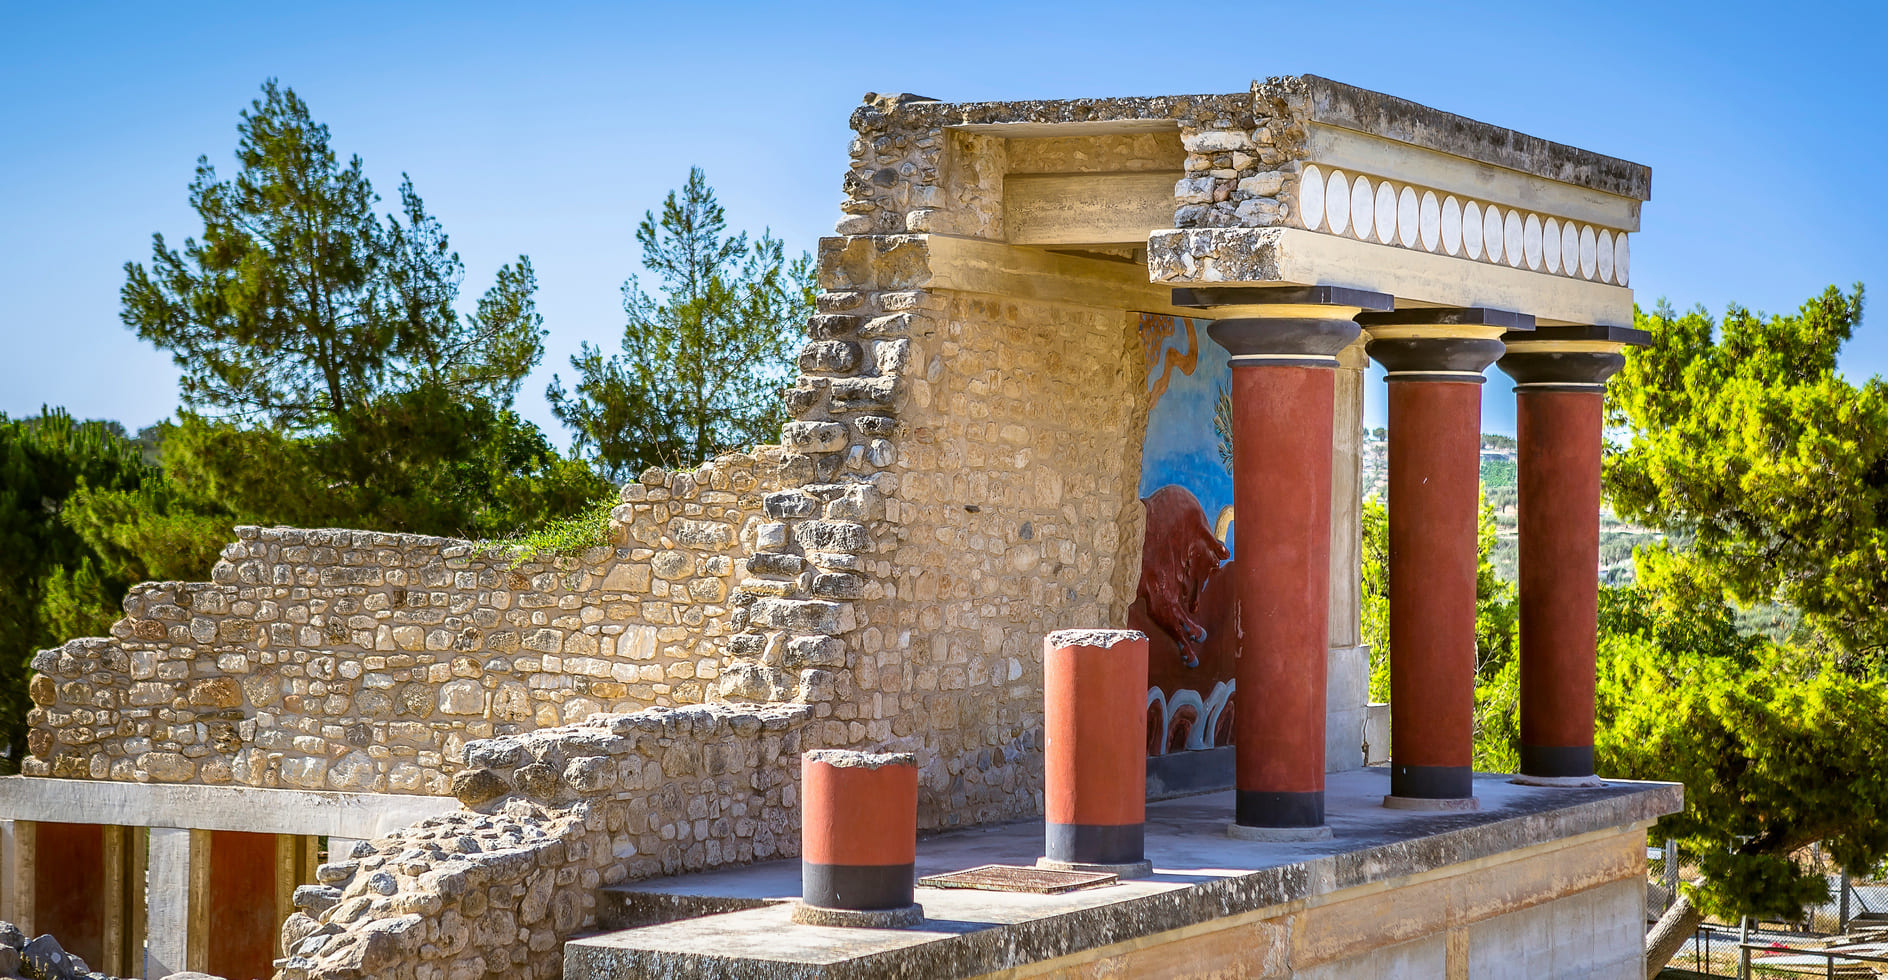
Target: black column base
(859,887)
(1557,761)
(1432,782)
(1259,808)
(1089,843)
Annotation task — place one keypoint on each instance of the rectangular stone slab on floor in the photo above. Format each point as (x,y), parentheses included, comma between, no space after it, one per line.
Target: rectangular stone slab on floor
(1200,875)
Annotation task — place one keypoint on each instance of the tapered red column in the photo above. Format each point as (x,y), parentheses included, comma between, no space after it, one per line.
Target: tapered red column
(1284,342)
(1560,376)
(1094,782)
(1434,359)
(858,839)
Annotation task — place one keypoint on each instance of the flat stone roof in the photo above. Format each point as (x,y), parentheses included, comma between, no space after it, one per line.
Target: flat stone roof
(1331,103)
(1200,874)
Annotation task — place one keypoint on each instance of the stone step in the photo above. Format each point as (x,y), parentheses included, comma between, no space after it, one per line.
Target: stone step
(622,907)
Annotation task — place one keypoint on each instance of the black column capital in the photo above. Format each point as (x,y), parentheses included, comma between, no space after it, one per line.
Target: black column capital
(1441,343)
(1570,358)
(1302,326)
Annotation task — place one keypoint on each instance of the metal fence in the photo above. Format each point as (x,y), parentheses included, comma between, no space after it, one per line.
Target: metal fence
(1799,948)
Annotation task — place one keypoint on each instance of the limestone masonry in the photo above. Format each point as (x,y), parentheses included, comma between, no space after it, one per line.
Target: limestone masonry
(963,474)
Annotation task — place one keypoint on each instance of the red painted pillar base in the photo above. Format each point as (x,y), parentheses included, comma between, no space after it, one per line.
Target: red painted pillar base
(858,839)
(1095,759)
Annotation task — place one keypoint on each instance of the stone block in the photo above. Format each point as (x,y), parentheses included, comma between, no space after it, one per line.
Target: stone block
(830,357)
(814,437)
(832,536)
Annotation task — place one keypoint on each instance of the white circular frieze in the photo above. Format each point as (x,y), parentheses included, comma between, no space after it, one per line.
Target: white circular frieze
(1311,197)
(1512,238)
(1531,241)
(1491,233)
(1605,256)
(1337,202)
(1589,252)
(1406,217)
(1362,208)
(1386,213)
(1550,245)
(1451,225)
(1472,230)
(1429,220)
(1622,260)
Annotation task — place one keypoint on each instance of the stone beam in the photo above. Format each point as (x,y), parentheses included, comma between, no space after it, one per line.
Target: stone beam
(274,811)
(976,266)
(1231,256)
(1087,209)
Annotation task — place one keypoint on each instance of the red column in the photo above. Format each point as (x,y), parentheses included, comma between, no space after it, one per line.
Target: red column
(1281,431)
(1559,487)
(1435,493)
(1095,756)
(1284,342)
(858,839)
(1434,359)
(1560,382)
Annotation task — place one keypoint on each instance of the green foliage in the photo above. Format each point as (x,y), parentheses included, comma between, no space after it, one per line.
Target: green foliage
(52,583)
(1499,473)
(299,307)
(703,363)
(564,536)
(1777,750)
(1744,442)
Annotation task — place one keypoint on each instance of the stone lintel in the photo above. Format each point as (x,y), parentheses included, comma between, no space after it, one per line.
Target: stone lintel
(1206,297)
(196,807)
(1196,257)
(1579,334)
(1451,316)
(1334,103)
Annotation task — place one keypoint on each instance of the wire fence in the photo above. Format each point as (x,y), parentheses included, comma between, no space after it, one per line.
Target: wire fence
(1846,936)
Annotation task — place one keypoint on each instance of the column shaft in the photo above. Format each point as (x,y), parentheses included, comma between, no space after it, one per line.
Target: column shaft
(1282,540)
(1559,486)
(1435,494)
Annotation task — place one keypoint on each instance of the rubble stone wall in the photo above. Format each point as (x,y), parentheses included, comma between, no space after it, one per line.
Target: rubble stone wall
(363,661)
(494,890)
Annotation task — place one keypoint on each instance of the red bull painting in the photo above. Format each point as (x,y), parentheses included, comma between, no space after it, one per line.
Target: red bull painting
(1185,599)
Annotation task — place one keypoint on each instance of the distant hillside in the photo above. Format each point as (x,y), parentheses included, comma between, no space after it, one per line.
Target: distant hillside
(1617,537)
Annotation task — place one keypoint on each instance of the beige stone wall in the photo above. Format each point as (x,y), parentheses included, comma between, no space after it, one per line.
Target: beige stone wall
(363,661)
(1016,514)
(495,889)
(1570,908)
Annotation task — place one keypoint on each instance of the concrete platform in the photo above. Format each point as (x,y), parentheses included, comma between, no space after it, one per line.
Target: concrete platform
(742,927)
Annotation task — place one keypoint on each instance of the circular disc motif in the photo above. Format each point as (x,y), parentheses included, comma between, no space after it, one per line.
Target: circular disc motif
(1362,208)
(1337,202)
(1531,241)
(1513,238)
(1472,230)
(1570,248)
(1589,252)
(1386,213)
(1429,220)
(1311,197)
(1550,245)
(1451,226)
(1406,217)
(1622,260)
(1491,232)
(1605,256)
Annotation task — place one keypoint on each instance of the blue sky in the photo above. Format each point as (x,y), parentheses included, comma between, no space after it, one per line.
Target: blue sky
(548,129)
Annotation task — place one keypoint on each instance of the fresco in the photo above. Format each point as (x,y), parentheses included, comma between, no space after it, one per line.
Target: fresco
(1185,599)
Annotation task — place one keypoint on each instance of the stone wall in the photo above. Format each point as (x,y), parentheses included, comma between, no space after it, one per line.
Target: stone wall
(353,660)
(553,816)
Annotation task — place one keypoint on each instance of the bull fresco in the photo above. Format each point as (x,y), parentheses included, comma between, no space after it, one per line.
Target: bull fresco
(1185,599)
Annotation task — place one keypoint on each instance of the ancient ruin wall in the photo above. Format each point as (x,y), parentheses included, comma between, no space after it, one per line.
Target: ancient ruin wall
(354,660)
(494,890)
